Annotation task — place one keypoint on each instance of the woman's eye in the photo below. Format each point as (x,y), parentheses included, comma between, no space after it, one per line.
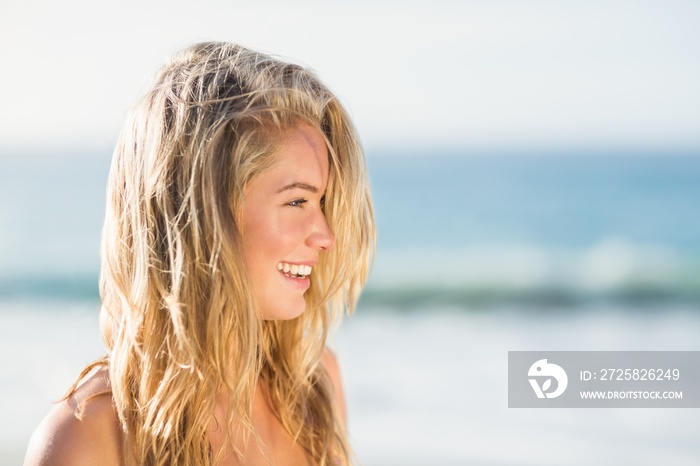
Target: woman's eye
(297,202)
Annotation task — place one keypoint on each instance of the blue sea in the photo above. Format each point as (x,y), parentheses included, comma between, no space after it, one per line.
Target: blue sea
(478,254)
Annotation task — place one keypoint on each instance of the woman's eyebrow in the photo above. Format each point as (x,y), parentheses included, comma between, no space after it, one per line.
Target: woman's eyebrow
(299,185)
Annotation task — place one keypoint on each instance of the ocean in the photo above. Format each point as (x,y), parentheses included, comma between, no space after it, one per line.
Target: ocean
(477,255)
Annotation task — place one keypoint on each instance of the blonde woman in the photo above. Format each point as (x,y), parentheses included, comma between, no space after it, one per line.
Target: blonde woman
(238,230)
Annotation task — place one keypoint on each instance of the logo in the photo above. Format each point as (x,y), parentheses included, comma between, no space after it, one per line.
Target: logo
(544,371)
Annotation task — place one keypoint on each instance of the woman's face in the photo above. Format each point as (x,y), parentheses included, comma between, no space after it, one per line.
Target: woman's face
(283,225)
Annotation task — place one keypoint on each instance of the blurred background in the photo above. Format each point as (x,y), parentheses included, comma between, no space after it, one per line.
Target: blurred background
(535,167)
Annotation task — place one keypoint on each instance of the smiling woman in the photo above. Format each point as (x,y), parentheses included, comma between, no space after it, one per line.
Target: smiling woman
(238,229)
(283,223)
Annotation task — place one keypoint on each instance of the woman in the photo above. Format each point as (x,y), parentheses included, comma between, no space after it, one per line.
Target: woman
(238,229)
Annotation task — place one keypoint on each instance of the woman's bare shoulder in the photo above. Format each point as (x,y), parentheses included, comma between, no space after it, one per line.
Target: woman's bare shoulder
(80,430)
(330,363)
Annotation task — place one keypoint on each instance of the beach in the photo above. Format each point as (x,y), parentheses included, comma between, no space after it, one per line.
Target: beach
(422,387)
(534,170)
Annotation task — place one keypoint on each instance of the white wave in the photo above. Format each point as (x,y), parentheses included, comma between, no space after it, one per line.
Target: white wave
(604,265)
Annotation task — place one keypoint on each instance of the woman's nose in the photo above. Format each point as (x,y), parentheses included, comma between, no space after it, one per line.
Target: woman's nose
(321,236)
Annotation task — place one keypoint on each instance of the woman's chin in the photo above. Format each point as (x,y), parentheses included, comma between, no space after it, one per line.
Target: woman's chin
(284,313)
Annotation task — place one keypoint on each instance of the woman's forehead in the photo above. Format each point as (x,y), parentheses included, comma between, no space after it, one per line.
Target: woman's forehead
(300,159)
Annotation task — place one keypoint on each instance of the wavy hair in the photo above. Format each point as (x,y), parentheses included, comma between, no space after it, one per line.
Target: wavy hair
(178,316)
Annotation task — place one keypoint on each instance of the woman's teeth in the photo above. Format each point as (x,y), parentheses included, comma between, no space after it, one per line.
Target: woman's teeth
(294,270)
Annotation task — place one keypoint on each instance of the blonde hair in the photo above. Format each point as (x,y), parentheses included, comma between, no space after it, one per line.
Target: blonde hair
(178,316)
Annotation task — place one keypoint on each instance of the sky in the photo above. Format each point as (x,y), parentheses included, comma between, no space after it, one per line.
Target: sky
(465,75)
